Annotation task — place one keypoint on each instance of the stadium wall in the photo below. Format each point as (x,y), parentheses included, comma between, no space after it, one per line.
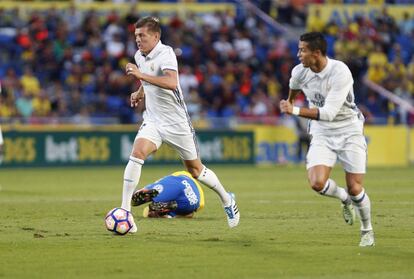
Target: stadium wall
(33,146)
(411,146)
(74,146)
(387,145)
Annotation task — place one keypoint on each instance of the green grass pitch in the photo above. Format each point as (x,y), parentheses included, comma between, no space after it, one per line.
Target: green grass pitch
(51,226)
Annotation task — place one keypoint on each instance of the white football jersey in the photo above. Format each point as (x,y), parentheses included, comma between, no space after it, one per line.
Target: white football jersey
(163,106)
(330,90)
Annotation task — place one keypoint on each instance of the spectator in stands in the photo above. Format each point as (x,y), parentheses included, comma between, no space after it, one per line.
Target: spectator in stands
(376,73)
(24,105)
(41,105)
(377,57)
(315,22)
(29,82)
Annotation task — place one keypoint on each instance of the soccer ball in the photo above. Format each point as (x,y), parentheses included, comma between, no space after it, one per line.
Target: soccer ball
(118,220)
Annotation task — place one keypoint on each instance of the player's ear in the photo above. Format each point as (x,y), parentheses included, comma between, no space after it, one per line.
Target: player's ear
(318,52)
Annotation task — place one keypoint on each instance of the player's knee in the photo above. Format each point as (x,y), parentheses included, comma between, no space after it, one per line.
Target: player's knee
(139,154)
(317,183)
(194,171)
(355,189)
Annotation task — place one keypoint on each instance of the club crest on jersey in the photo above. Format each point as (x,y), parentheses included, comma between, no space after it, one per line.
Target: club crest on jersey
(152,67)
(319,100)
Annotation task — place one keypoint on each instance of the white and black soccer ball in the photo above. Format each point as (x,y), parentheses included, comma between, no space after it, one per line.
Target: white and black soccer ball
(119,221)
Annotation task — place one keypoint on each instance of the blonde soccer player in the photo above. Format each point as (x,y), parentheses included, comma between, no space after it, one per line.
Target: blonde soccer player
(165,117)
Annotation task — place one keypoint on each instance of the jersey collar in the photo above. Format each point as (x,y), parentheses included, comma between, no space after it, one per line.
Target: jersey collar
(325,71)
(154,51)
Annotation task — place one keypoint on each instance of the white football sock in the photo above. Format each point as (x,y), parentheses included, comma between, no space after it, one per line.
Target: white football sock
(131,178)
(363,208)
(210,179)
(332,190)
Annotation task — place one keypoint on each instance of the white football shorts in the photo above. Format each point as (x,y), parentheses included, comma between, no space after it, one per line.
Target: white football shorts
(179,136)
(350,150)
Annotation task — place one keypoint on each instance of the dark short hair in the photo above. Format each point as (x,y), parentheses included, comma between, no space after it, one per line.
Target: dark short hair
(151,22)
(315,40)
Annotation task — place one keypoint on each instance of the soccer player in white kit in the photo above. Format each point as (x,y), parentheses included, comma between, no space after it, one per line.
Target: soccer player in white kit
(165,118)
(336,128)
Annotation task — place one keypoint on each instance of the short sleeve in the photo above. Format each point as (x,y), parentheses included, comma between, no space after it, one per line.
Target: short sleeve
(137,57)
(168,60)
(295,79)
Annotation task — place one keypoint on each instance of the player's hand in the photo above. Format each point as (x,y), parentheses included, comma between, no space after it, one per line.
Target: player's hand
(132,69)
(285,107)
(137,97)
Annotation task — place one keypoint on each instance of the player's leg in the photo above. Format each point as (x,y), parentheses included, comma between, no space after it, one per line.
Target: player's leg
(363,207)
(318,177)
(210,179)
(353,158)
(320,160)
(141,149)
(147,141)
(169,189)
(182,138)
(143,196)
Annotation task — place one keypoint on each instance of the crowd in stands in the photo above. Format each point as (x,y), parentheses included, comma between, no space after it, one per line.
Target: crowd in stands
(69,64)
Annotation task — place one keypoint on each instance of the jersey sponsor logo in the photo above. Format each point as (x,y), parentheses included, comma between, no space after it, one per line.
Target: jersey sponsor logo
(319,100)
(189,193)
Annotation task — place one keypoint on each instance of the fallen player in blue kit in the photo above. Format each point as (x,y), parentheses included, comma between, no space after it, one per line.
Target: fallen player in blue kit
(175,195)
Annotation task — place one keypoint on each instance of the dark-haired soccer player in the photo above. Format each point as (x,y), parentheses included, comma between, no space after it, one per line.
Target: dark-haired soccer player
(336,127)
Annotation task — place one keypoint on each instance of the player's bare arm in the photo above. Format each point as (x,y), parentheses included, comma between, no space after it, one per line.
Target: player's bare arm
(137,97)
(292,95)
(167,81)
(286,106)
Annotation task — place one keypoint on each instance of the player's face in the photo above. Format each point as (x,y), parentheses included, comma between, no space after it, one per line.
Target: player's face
(307,57)
(146,40)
